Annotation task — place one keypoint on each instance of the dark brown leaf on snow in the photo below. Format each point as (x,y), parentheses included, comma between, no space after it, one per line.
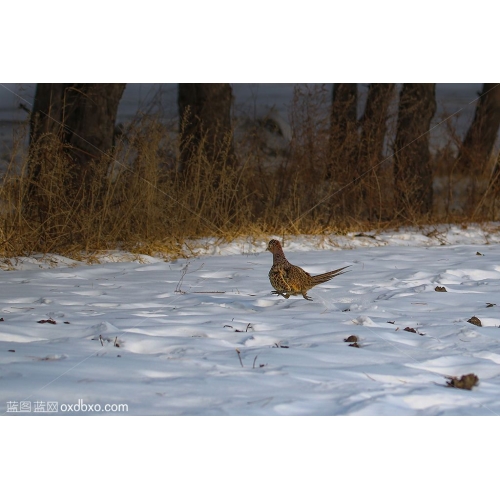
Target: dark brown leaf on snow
(1,319)
(51,321)
(412,330)
(12,350)
(475,321)
(281,346)
(464,382)
(489,304)
(351,338)
(440,289)
(478,253)
(391,322)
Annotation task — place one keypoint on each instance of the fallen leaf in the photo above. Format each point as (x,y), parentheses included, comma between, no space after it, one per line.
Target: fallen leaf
(475,321)
(351,338)
(464,382)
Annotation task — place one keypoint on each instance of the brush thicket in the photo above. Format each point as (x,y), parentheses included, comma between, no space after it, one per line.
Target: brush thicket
(141,202)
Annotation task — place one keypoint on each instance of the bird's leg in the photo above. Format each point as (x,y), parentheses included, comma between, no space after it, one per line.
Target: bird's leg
(275,292)
(304,294)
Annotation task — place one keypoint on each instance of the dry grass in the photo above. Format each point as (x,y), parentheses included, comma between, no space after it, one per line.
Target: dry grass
(140,202)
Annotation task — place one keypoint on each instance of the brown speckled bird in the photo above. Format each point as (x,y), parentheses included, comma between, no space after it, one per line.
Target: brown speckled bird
(288,279)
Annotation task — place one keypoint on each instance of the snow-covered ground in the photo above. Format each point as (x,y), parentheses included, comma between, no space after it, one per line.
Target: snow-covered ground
(204,336)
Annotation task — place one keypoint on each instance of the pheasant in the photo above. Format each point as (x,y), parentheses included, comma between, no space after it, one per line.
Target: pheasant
(288,279)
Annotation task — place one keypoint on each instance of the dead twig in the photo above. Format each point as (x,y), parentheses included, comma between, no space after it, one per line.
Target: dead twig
(239,356)
(184,271)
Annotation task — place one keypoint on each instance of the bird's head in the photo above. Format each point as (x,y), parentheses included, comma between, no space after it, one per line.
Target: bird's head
(274,246)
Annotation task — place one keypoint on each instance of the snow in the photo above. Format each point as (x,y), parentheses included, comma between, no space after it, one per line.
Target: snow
(204,336)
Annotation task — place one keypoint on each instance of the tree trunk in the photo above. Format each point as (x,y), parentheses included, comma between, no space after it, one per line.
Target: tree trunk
(82,114)
(205,124)
(71,137)
(89,117)
(373,131)
(475,151)
(343,124)
(46,135)
(344,143)
(412,168)
(374,120)
(46,114)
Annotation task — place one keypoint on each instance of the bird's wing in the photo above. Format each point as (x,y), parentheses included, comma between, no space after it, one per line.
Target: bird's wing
(279,278)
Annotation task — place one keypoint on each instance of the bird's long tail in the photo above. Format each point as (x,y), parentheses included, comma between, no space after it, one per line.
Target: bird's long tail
(321,278)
